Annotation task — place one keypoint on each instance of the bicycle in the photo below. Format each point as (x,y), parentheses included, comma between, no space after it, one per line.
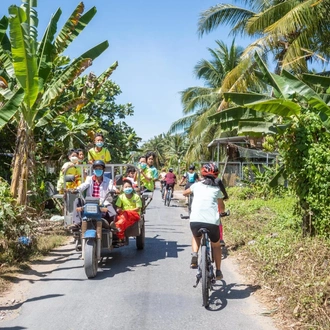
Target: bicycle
(168,197)
(205,272)
(190,200)
(162,188)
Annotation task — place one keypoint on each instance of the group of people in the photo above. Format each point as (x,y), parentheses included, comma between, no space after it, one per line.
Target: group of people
(208,203)
(128,204)
(77,157)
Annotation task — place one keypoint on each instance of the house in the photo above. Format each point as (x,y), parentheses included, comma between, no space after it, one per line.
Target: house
(234,155)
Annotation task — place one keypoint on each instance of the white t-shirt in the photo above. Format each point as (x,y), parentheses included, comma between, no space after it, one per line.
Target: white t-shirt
(204,207)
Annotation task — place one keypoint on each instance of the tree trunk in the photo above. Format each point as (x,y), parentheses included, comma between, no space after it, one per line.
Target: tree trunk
(23,164)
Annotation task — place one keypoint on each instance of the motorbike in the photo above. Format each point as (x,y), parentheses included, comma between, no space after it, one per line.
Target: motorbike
(96,237)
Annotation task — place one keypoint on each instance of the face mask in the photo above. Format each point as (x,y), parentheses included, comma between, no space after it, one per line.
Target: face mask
(98,172)
(128,190)
(143,165)
(99,144)
(74,159)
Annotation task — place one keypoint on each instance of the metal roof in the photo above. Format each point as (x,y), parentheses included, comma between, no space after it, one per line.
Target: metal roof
(225,140)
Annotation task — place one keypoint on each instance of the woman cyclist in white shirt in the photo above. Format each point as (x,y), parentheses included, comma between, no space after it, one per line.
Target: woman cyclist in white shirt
(206,205)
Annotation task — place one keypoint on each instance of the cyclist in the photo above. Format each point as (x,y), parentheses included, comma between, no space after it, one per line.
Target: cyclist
(191,177)
(161,178)
(170,179)
(207,203)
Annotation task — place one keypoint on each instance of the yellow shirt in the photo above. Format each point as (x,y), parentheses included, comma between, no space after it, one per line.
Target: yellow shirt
(150,185)
(72,170)
(103,154)
(129,203)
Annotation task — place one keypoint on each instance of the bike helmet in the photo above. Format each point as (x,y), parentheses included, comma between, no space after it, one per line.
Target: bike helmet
(99,163)
(210,170)
(192,167)
(170,170)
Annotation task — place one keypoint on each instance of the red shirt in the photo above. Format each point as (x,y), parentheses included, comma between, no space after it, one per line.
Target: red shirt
(96,187)
(170,178)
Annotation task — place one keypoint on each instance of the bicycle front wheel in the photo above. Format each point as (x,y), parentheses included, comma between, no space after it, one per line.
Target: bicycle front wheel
(190,199)
(205,277)
(169,197)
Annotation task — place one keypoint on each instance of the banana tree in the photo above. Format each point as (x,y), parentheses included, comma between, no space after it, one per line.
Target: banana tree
(259,114)
(35,77)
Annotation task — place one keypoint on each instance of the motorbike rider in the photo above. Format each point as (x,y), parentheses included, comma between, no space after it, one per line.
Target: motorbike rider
(98,185)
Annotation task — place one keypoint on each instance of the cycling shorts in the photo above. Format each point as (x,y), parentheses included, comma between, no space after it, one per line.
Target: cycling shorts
(214,232)
(170,185)
(188,184)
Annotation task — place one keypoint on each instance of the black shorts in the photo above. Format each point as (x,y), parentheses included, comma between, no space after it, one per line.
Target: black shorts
(214,231)
(188,184)
(170,185)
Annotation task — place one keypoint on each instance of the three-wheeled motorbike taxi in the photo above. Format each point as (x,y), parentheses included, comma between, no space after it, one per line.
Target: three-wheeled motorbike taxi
(93,234)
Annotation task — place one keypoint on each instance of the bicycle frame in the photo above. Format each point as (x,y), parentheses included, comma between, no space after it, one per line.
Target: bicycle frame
(167,198)
(205,271)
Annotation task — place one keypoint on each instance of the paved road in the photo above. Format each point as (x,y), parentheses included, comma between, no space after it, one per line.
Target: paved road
(149,289)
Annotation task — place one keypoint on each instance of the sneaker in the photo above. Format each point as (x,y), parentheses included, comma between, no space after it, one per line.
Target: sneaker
(218,275)
(222,242)
(194,260)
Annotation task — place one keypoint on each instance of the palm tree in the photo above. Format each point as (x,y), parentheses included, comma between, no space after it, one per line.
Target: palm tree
(294,31)
(156,144)
(35,77)
(201,102)
(175,148)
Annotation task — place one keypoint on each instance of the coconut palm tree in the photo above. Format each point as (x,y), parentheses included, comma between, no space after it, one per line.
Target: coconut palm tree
(292,30)
(201,102)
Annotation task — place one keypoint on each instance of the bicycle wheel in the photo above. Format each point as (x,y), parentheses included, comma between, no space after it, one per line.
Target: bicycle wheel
(205,277)
(169,193)
(190,199)
(165,198)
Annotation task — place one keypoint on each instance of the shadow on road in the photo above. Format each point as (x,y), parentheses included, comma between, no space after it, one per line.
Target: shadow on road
(223,292)
(18,305)
(126,259)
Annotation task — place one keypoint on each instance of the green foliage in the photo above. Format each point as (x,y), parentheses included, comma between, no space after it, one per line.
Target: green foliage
(305,151)
(295,269)
(13,224)
(258,181)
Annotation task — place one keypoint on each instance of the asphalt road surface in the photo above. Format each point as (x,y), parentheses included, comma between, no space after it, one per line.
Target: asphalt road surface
(148,289)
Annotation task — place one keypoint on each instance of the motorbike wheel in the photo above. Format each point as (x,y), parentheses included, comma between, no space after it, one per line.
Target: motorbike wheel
(140,239)
(91,263)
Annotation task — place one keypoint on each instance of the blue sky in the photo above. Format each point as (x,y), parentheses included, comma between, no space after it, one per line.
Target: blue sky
(156,45)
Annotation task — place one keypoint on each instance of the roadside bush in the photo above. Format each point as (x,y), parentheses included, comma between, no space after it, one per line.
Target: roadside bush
(13,224)
(304,147)
(293,270)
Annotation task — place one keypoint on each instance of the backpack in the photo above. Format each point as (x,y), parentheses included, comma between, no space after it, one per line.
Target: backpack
(191,177)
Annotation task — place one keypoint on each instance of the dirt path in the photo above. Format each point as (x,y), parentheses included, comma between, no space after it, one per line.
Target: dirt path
(12,299)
